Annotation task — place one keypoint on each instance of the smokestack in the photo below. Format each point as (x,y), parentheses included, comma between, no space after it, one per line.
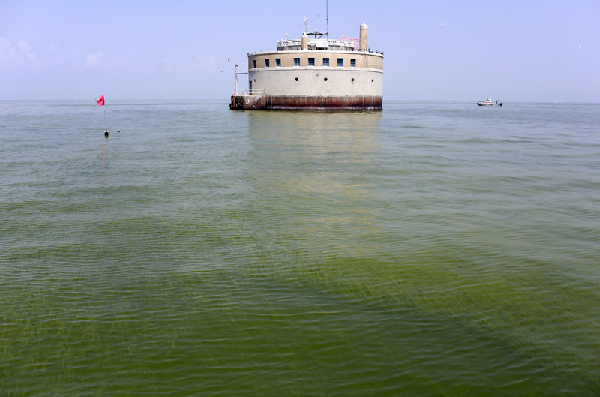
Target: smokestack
(363,37)
(304,41)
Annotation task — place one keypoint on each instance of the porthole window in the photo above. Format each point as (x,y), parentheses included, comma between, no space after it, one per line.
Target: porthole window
(352,78)
(325,79)
(296,78)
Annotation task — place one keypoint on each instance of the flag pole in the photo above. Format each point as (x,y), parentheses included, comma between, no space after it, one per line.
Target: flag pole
(104,106)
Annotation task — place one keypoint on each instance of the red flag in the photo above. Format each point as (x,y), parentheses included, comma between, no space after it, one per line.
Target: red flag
(100,101)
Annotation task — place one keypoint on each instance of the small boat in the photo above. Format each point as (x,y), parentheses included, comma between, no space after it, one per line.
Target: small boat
(488,102)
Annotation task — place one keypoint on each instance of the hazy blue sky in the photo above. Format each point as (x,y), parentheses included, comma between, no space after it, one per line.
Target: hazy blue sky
(511,50)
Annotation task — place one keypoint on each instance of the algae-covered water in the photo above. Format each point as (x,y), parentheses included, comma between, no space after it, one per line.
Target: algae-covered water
(429,249)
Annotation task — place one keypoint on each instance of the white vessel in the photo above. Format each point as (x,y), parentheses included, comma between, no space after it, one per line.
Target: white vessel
(488,102)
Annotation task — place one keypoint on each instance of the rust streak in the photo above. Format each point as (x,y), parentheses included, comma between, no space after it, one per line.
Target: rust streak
(299,102)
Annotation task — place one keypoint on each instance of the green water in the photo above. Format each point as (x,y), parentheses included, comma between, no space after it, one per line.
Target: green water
(429,249)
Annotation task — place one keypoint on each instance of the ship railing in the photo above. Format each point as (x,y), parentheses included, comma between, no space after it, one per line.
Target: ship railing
(255,91)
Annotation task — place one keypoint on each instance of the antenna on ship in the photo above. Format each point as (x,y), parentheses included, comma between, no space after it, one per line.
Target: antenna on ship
(327,17)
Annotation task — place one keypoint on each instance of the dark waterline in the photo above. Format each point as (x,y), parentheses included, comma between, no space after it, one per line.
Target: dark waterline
(428,249)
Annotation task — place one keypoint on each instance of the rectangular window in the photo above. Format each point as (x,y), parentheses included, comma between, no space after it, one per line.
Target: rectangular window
(278,63)
(311,61)
(266,63)
(353,63)
(254,63)
(296,61)
(325,61)
(340,62)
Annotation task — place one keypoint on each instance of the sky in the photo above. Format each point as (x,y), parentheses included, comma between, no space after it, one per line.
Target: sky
(540,51)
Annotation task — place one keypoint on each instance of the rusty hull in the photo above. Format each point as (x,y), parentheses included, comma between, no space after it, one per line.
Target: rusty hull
(302,102)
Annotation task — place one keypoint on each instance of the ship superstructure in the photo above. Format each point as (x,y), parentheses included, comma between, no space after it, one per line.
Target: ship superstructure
(314,73)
